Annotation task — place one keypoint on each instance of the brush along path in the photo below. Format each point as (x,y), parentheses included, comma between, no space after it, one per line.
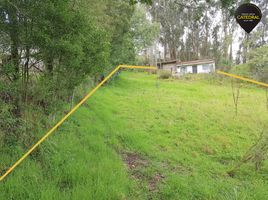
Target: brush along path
(136,139)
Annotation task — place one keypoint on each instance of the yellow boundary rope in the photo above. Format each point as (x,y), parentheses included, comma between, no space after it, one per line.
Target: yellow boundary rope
(69,114)
(243,78)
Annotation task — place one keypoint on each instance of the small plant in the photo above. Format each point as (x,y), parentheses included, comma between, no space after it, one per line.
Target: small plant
(266,98)
(163,74)
(236,93)
(256,154)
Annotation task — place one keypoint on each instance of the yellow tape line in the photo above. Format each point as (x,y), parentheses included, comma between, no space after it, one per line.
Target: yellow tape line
(137,67)
(68,115)
(243,78)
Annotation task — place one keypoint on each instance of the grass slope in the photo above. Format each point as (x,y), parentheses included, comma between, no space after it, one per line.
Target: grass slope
(143,138)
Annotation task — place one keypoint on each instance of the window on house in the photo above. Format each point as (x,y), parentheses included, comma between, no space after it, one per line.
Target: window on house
(206,67)
(183,69)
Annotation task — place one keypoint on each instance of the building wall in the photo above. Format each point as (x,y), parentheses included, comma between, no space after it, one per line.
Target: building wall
(202,68)
(206,68)
(213,67)
(189,69)
(169,67)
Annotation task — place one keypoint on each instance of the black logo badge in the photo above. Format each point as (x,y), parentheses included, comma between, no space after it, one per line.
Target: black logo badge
(248,16)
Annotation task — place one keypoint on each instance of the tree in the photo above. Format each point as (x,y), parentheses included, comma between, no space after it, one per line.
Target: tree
(168,14)
(143,31)
(258,59)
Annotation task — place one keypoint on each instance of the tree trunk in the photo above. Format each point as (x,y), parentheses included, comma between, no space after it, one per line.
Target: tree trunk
(231,52)
(15,59)
(50,66)
(14,34)
(245,48)
(225,34)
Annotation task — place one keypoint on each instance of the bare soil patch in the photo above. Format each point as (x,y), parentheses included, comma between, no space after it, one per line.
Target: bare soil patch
(134,160)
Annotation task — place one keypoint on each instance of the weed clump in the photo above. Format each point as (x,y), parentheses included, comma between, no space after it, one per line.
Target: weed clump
(256,154)
(163,74)
(207,150)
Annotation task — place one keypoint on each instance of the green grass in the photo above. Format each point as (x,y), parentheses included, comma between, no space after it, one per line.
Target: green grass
(183,134)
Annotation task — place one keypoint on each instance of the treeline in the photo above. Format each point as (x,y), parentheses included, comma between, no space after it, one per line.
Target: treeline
(207,29)
(47,49)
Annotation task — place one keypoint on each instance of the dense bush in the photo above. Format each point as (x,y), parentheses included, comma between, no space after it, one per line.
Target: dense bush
(257,65)
(164,74)
(242,70)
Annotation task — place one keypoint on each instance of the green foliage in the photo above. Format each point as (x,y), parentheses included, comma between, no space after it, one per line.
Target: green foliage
(124,51)
(242,70)
(7,122)
(256,67)
(141,1)
(258,59)
(224,64)
(257,154)
(10,123)
(47,50)
(122,47)
(143,30)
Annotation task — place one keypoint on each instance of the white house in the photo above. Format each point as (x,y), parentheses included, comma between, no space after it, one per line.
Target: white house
(193,67)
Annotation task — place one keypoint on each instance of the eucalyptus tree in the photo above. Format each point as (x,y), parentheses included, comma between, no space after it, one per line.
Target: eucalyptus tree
(170,16)
(144,31)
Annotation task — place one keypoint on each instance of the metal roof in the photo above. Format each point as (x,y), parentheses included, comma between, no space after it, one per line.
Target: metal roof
(186,63)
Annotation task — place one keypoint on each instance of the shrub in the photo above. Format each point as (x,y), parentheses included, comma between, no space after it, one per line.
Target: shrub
(258,59)
(163,74)
(242,70)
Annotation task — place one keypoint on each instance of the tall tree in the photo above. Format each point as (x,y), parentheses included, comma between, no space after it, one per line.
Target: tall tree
(143,31)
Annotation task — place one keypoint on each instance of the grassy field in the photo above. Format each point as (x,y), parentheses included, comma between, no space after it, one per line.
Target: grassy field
(143,138)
